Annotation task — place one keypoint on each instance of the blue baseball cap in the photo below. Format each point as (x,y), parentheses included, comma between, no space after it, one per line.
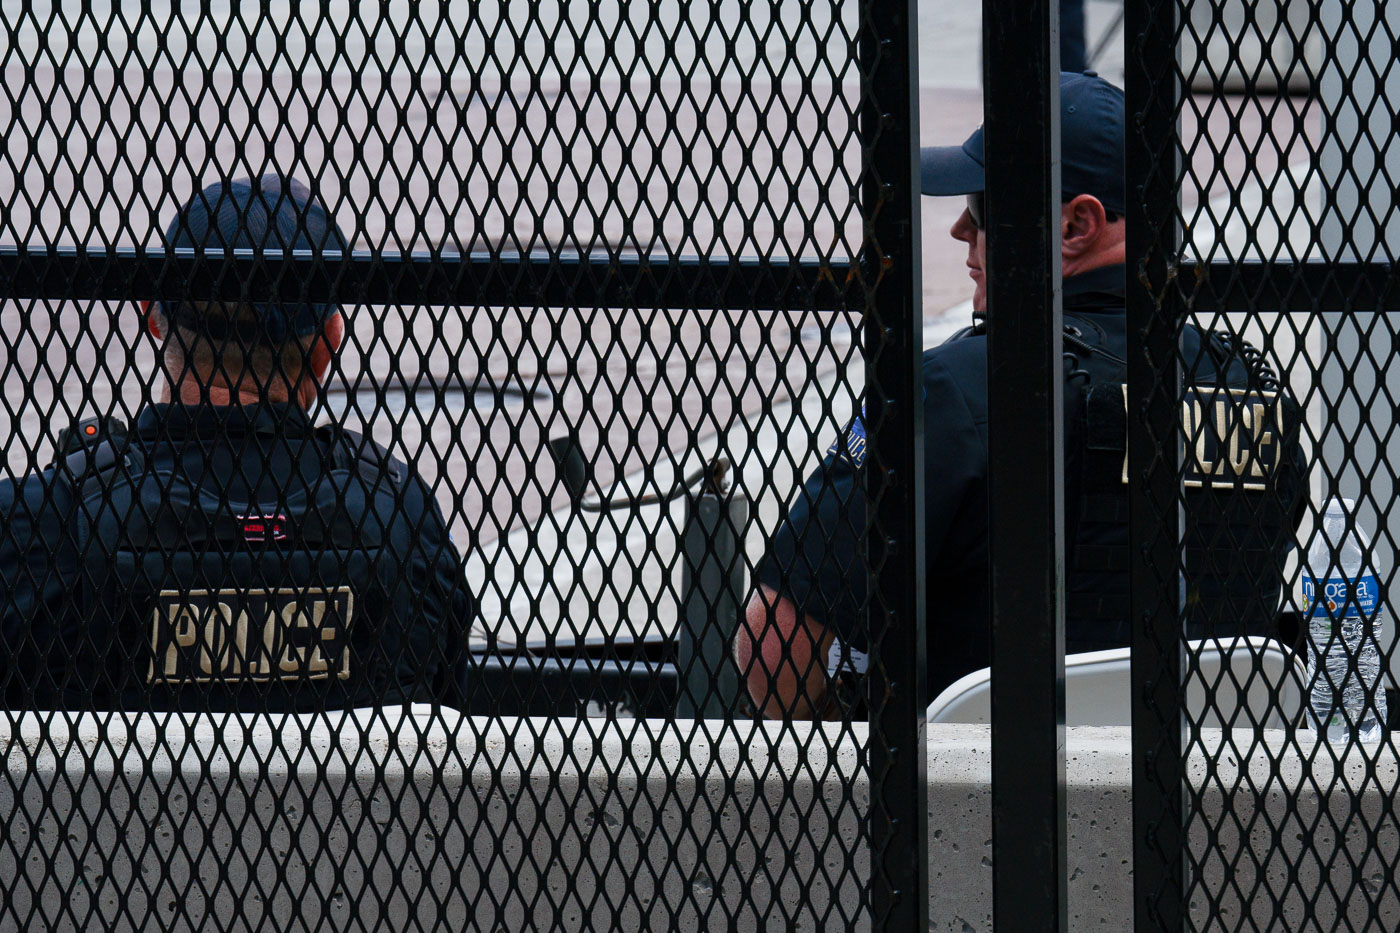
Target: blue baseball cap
(1091,147)
(266,214)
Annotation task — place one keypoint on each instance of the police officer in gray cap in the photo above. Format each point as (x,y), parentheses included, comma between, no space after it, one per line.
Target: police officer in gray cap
(804,629)
(225,553)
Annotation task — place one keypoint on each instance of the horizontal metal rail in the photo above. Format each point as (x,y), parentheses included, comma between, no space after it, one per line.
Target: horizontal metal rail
(596,280)
(477,279)
(1292,287)
(524,685)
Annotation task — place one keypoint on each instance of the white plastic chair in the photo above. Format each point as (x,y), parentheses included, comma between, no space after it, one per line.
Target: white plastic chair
(1098,687)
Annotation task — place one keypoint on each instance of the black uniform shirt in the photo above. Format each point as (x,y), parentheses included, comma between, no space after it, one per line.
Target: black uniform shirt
(815,557)
(75,592)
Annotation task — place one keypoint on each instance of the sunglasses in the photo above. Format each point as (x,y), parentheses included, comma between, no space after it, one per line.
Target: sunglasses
(977,209)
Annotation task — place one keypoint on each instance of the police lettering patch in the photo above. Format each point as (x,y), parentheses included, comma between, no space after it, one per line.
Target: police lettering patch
(851,444)
(1232,437)
(205,636)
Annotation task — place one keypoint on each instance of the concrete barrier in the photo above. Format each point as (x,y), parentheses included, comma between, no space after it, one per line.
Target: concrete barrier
(403,819)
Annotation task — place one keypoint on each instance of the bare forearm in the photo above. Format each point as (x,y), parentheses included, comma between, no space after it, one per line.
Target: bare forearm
(783,658)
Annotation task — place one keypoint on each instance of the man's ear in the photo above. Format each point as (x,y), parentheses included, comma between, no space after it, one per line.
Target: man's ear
(331,337)
(152,320)
(1082,224)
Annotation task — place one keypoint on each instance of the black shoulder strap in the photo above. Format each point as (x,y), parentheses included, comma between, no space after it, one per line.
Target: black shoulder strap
(351,451)
(1225,348)
(1084,354)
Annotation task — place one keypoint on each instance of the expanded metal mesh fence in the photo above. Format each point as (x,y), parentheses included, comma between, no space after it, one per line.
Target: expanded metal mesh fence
(1263,407)
(398,400)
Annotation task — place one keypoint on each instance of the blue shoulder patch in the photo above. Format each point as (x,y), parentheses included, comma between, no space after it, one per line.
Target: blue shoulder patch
(851,443)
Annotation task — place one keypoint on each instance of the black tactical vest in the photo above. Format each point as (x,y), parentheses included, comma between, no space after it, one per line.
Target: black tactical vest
(200,601)
(1243,486)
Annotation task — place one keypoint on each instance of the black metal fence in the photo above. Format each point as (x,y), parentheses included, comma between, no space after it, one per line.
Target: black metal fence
(402,405)
(368,367)
(1256,476)
(1261,163)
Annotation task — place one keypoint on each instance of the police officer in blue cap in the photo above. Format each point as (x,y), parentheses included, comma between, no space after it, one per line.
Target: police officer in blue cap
(804,628)
(225,553)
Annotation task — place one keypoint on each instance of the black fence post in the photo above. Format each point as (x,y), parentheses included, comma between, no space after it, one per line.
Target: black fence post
(893,340)
(713,591)
(1026,492)
(1154,531)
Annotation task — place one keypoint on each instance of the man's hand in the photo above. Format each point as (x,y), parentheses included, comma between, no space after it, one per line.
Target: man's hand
(782,657)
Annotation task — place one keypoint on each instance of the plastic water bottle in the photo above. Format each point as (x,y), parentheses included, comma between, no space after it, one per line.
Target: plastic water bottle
(1343,610)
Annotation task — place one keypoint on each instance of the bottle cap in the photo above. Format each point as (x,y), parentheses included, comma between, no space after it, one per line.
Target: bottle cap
(1340,505)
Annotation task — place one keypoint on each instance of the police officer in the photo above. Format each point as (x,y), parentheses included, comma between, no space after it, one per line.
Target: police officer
(804,628)
(224,552)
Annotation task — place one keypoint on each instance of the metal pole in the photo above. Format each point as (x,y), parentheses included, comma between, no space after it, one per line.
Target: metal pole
(713,583)
(894,471)
(1026,475)
(1155,313)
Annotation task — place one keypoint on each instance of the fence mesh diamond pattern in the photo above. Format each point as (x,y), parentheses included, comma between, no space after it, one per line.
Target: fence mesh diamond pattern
(398,400)
(1272,234)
